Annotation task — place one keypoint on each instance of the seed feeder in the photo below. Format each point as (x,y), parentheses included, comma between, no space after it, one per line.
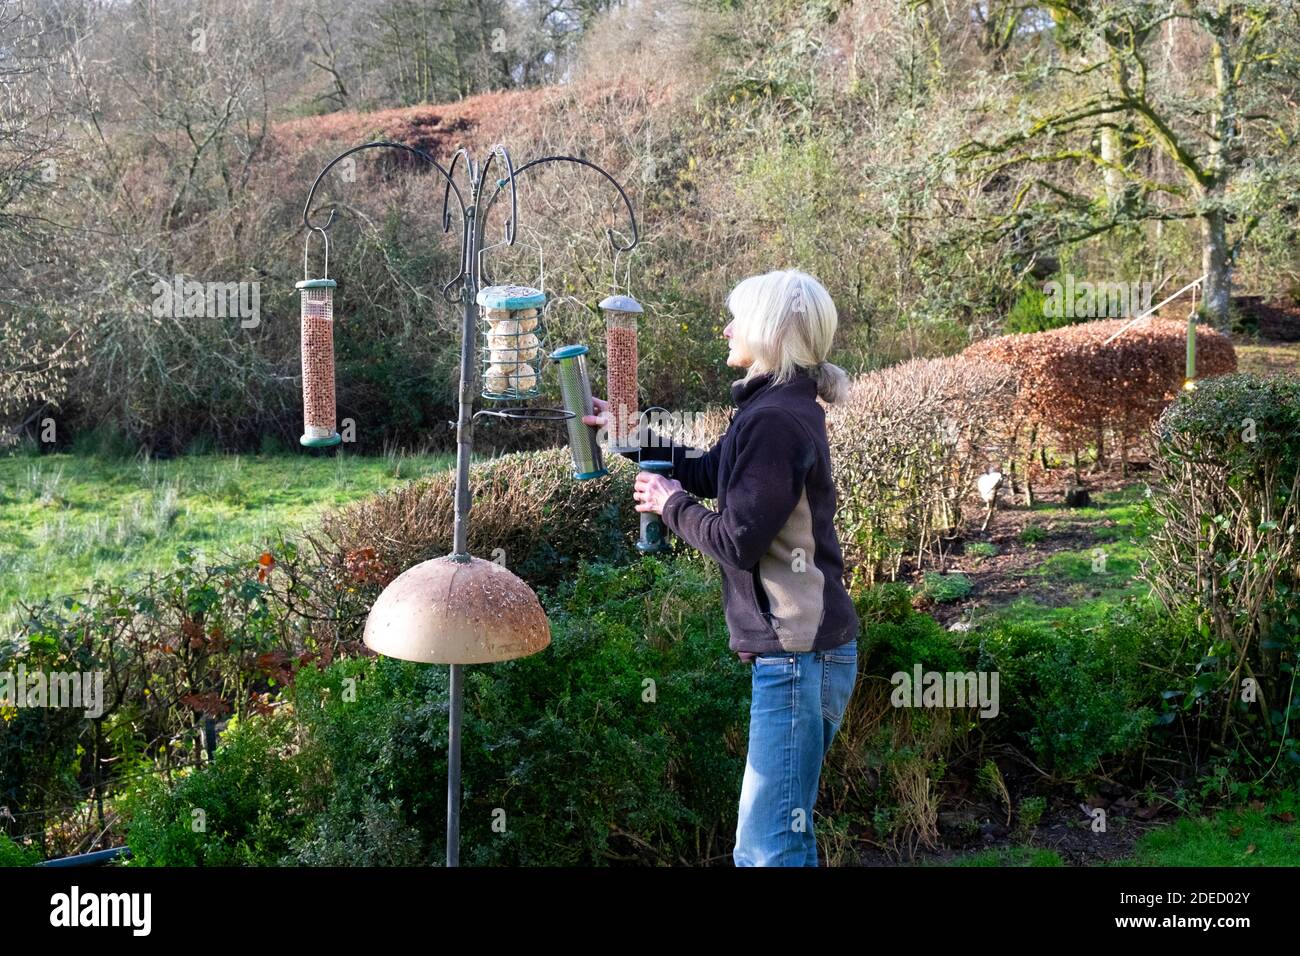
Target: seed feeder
(319,412)
(621,313)
(458,609)
(654,533)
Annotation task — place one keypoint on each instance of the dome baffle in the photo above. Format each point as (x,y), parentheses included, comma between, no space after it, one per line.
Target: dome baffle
(444,611)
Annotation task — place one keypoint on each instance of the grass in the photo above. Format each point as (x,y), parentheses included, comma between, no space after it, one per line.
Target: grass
(1274,358)
(1106,567)
(946,587)
(1264,834)
(65,519)
(1010,856)
(1096,570)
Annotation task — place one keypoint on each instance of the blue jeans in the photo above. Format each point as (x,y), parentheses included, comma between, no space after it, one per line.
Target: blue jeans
(797,705)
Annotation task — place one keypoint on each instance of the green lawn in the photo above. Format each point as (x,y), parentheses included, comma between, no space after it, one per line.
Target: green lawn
(65,519)
(1091,573)
(1263,835)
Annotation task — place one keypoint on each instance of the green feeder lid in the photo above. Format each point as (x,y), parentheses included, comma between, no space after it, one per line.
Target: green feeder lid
(569,351)
(656,465)
(512,297)
(311,442)
(316,284)
(621,303)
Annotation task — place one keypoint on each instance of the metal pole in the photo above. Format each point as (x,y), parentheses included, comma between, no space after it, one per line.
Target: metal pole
(464,448)
(465,422)
(453,766)
(1155,308)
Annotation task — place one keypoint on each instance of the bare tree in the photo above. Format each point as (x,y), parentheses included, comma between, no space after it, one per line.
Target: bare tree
(1223,130)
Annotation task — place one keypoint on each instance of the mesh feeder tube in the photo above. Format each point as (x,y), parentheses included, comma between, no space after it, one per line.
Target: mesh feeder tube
(575,388)
(319,411)
(621,312)
(510,318)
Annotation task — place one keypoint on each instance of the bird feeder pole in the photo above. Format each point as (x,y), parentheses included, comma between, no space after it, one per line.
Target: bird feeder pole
(463,288)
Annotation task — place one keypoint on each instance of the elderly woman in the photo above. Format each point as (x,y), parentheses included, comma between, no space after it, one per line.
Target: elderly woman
(773,536)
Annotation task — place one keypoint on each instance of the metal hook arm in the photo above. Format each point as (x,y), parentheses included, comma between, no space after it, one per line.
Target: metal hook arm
(609,233)
(446,190)
(512,224)
(311,195)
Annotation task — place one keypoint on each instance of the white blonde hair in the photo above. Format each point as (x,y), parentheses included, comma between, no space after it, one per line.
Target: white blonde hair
(786,320)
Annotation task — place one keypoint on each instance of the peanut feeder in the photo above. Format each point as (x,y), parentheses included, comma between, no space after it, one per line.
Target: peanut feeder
(319,414)
(621,313)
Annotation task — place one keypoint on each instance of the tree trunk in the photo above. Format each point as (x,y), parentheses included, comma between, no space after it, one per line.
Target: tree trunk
(1112,153)
(1216,266)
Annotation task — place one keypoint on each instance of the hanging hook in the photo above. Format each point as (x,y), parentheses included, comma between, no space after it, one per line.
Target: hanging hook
(535,244)
(306,249)
(446,189)
(640,433)
(511,223)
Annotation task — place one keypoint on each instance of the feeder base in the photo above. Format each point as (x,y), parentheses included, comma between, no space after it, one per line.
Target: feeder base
(584,475)
(312,441)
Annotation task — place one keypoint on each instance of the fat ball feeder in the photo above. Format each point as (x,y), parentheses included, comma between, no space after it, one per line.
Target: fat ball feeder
(457,609)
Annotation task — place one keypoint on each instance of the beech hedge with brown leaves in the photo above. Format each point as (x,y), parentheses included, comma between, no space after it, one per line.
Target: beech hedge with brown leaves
(1075,384)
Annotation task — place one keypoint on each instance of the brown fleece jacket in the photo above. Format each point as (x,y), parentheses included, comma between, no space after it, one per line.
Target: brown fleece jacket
(773,532)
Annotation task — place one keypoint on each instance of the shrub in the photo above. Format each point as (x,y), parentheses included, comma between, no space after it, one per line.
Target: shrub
(1223,511)
(622,742)
(1080,693)
(907,445)
(1029,313)
(888,602)
(246,808)
(12,854)
(942,588)
(202,642)
(527,504)
(914,639)
(1074,386)
(1031,534)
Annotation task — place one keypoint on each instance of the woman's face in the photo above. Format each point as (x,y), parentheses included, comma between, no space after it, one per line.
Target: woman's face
(737,355)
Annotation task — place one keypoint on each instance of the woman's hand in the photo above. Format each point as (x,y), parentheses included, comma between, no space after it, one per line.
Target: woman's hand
(653,491)
(601,418)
